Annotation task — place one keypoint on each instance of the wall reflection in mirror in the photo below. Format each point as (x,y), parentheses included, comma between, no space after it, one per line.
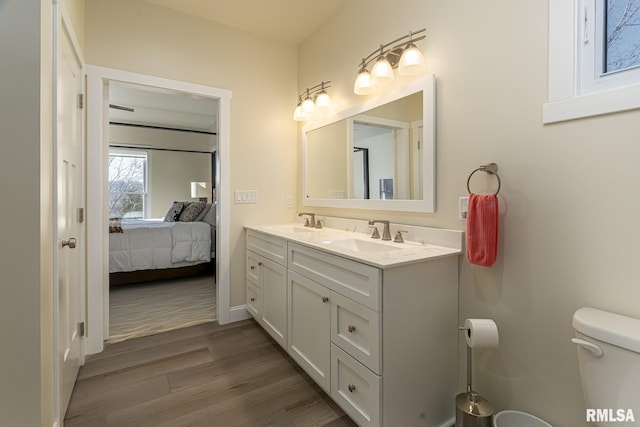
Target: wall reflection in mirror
(377,154)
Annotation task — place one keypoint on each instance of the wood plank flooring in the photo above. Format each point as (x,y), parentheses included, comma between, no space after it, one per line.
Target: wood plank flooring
(204,375)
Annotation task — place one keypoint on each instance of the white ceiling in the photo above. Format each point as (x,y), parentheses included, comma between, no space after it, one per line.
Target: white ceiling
(158,107)
(287,21)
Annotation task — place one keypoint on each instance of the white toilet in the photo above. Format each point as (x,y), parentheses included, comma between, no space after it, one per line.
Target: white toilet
(609,358)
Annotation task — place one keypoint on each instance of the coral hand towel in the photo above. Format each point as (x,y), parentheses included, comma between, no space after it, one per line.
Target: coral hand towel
(482,229)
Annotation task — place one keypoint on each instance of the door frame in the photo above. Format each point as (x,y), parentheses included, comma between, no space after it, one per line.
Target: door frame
(98,79)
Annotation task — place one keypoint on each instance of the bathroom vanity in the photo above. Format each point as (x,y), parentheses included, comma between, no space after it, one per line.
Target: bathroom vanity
(373,323)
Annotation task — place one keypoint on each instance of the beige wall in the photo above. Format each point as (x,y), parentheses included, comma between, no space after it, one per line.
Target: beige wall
(261,74)
(170,177)
(569,191)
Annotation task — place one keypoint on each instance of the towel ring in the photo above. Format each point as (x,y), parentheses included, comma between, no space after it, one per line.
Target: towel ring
(491,169)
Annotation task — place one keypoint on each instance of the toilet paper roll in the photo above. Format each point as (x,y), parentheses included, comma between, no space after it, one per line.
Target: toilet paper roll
(481,333)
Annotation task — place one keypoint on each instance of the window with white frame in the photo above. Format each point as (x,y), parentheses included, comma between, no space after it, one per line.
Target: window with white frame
(594,58)
(127,183)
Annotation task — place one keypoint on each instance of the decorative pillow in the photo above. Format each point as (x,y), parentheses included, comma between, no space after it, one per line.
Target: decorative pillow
(174,212)
(115,225)
(191,211)
(210,217)
(203,213)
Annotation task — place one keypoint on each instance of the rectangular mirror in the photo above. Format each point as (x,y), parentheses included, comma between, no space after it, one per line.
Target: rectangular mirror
(379,155)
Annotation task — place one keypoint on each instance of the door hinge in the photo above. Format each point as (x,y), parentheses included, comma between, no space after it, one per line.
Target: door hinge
(81,101)
(80,215)
(81,330)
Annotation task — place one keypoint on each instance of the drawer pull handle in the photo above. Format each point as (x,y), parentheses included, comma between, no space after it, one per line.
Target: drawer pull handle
(351,388)
(325,299)
(253,299)
(253,267)
(259,263)
(351,328)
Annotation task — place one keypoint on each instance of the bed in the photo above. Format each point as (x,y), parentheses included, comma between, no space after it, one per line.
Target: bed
(142,250)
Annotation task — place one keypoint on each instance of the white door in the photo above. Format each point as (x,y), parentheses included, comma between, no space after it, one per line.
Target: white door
(69,212)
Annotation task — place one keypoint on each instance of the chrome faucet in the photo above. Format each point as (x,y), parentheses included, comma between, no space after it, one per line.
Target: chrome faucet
(311,221)
(386,233)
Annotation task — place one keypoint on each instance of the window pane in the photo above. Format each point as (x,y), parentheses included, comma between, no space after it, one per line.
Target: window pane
(126,186)
(623,35)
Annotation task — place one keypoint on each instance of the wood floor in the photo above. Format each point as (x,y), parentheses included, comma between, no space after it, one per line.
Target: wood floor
(204,375)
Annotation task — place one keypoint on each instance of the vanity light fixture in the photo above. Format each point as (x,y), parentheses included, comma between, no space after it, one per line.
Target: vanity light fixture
(313,99)
(400,53)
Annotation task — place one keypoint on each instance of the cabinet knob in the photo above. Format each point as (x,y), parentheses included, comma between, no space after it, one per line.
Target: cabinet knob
(253,299)
(351,388)
(351,328)
(253,267)
(259,263)
(325,299)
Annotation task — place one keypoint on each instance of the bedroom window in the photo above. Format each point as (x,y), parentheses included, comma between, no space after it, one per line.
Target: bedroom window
(127,183)
(594,58)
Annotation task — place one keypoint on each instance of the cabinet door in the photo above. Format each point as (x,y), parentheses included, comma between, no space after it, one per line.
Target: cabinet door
(274,300)
(309,327)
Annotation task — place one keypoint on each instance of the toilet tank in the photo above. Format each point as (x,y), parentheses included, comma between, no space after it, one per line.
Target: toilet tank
(609,358)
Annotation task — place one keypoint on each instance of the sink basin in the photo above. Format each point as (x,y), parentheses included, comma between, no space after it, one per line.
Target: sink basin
(361,246)
(290,229)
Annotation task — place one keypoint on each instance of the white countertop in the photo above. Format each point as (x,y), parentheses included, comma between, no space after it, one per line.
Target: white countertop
(360,246)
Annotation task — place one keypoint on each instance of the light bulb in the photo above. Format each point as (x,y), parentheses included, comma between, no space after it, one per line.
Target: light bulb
(323,100)
(411,61)
(308,105)
(382,72)
(363,84)
(299,115)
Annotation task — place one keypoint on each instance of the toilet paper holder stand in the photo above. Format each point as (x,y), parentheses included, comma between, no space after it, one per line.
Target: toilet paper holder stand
(469,359)
(472,410)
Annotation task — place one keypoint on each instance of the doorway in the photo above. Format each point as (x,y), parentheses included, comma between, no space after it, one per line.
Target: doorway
(99,81)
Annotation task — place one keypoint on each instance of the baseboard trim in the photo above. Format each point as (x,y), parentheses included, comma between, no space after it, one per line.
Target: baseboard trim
(238,313)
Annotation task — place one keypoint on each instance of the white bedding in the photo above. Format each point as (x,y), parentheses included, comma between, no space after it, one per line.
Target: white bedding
(155,244)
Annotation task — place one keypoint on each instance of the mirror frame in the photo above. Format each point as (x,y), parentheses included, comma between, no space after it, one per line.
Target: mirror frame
(428,202)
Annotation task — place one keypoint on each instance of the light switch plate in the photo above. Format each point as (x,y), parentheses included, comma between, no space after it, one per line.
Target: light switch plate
(246,196)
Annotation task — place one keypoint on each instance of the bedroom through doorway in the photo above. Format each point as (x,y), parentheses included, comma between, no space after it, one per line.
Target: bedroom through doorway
(162,168)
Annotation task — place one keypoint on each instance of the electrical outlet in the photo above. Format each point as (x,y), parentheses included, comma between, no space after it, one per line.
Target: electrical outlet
(288,202)
(463,207)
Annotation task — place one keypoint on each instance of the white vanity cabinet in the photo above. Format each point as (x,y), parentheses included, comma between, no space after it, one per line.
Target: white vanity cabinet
(266,283)
(382,342)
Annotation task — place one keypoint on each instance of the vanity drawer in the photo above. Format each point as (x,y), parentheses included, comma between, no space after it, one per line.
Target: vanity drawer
(270,247)
(253,267)
(355,388)
(253,299)
(356,330)
(355,280)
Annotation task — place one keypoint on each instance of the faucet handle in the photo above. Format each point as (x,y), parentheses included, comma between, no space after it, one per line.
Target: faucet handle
(319,223)
(376,233)
(398,238)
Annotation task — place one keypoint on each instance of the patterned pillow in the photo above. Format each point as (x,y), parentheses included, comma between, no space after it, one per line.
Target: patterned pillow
(203,213)
(191,211)
(174,212)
